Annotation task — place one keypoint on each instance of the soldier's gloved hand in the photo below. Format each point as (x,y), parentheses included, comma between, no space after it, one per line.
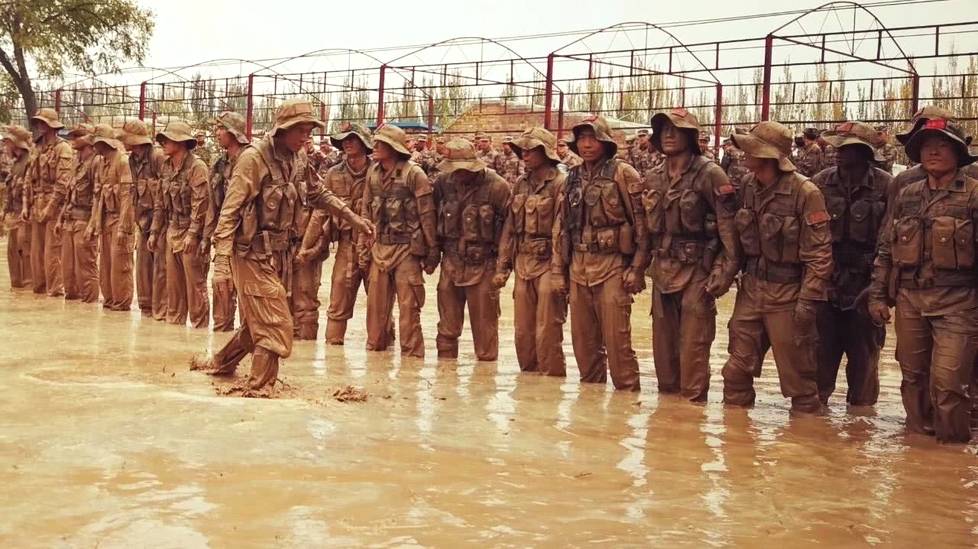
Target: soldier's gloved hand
(717,285)
(431,262)
(878,311)
(205,249)
(362,225)
(191,244)
(633,281)
(558,283)
(151,242)
(304,255)
(222,268)
(804,314)
(57,228)
(499,280)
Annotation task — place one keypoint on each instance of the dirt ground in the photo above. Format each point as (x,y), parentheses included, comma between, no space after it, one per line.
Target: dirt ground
(108,440)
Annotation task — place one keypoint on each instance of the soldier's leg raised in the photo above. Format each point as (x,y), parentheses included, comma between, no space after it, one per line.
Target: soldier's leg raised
(265,311)
(380,309)
(483,302)
(952,360)
(863,341)
(551,315)
(589,348)
(52,260)
(38,280)
(913,352)
(794,355)
(665,340)
(615,314)
(748,343)
(525,320)
(697,324)
(410,299)
(831,345)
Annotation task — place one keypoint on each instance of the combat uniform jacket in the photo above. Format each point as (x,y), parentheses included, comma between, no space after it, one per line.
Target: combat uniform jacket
(810,160)
(392,201)
(527,234)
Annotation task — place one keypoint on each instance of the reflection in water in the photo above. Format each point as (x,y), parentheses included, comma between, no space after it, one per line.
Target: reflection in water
(108,440)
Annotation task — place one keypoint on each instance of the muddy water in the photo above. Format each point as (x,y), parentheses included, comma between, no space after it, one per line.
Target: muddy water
(108,440)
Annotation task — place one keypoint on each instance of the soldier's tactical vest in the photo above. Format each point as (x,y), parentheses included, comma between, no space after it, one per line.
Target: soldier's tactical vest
(933,241)
(596,213)
(469,227)
(81,195)
(146,184)
(533,217)
(267,222)
(770,234)
(679,220)
(177,194)
(395,209)
(111,200)
(348,188)
(855,222)
(15,185)
(220,174)
(46,167)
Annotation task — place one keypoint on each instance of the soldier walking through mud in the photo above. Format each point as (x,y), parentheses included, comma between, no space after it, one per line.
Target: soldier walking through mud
(601,253)
(252,243)
(689,209)
(526,244)
(79,246)
(17,141)
(855,197)
(471,201)
(784,234)
(49,172)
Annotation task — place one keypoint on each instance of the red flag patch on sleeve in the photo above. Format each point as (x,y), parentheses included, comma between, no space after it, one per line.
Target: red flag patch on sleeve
(726,189)
(815,218)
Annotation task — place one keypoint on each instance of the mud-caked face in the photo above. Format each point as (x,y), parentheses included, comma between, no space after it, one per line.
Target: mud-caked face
(852,156)
(294,138)
(674,141)
(224,137)
(588,146)
(352,146)
(384,152)
(938,154)
(534,158)
(171,147)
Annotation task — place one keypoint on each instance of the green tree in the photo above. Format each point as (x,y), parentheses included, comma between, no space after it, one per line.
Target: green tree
(48,36)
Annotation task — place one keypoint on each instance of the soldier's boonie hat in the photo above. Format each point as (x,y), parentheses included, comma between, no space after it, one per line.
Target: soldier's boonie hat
(393,136)
(853,133)
(680,118)
(810,133)
(925,113)
(179,131)
(234,124)
(948,128)
(768,140)
(537,137)
(135,132)
(81,135)
(346,130)
(19,136)
(643,131)
(104,133)
(49,116)
(602,132)
(293,112)
(460,155)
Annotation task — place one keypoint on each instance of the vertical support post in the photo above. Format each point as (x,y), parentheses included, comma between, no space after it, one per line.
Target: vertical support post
(718,121)
(57,100)
(250,106)
(142,101)
(431,117)
(915,93)
(766,86)
(560,116)
(322,116)
(380,95)
(548,93)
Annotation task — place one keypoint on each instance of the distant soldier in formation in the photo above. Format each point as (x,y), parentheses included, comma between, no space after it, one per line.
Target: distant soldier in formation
(202,150)
(886,152)
(79,247)
(829,154)
(733,163)
(113,219)
(510,163)
(704,145)
(567,157)
(526,244)
(486,152)
(17,142)
(810,160)
(331,155)
(855,197)
(784,234)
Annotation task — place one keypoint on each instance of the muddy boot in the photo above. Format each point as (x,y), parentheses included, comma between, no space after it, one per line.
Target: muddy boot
(807,405)
(335,331)
(225,361)
(264,369)
(306,332)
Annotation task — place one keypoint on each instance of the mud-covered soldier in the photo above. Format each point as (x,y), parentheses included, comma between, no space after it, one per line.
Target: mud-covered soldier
(79,247)
(689,206)
(567,157)
(145,164)
(925,266)
(49,173)
(17,142)
(641,154)
(601,253)
(201,150)
(182,210)
(471,201)
(829,153)
(510,163)
(704,146)
(526,244)
(346,180)
(486,152)
(398,199)
(810,159)
(309,250)
(783,228)
(113,218)
(886,152)
(855,196)
(917,172)
(229,128)
(733,162)
(252,242)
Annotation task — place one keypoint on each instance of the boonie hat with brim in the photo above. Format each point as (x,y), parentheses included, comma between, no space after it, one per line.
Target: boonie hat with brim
(105,133)
(460,155)
(135,133)
(925,113)
(536,137)
(393,136)
(358,130)
(602,132)
(234,124)
(19,136)
(853,133)
(680,118)
(49,116)
(949,128)
(768,139)
(179,131)
(293,112)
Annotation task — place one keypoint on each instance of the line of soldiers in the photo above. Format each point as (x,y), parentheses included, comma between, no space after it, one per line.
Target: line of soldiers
(818,263)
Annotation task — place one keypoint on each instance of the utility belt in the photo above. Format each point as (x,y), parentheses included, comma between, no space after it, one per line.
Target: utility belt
(853,260)
(537,247)
(78,213)
(941,279)
(686,251)
(471,253)
(608,240)
(266,242)
(178,222)
(390,239)
(779,273)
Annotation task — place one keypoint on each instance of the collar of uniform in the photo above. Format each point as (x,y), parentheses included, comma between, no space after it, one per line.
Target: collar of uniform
(546,174)
(778,187)
(281,153)
(598,168)
(957,186)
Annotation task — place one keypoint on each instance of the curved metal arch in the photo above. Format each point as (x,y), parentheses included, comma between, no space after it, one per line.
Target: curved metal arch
(323,50)
(647,25)
(855,5)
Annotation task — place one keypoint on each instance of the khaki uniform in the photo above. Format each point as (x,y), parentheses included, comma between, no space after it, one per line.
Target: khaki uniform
(810,160)
(183,208)
(733,165)
(887,152)
(79,250)
(571,160)
(601,235)
(844,327)
(224,297)
(150,266)
(347,276)
(19,232)
(470,220)
(511,167)
(690,219)
(785,238)
(400,204)
(539,313)
(254,229)
(306,275)
(49,173)
(114,222)
(926,266)
(829,156)
(490,158)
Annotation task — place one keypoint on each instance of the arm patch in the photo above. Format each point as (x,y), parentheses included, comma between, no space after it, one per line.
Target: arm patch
(815,218)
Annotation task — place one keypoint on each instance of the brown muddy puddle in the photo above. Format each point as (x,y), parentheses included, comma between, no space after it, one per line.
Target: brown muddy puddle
(108,440)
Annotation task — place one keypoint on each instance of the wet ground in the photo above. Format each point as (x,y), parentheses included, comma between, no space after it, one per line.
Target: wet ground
(107,440)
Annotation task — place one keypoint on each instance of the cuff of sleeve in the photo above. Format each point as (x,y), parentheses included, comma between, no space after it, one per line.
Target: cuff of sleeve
(813,294)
